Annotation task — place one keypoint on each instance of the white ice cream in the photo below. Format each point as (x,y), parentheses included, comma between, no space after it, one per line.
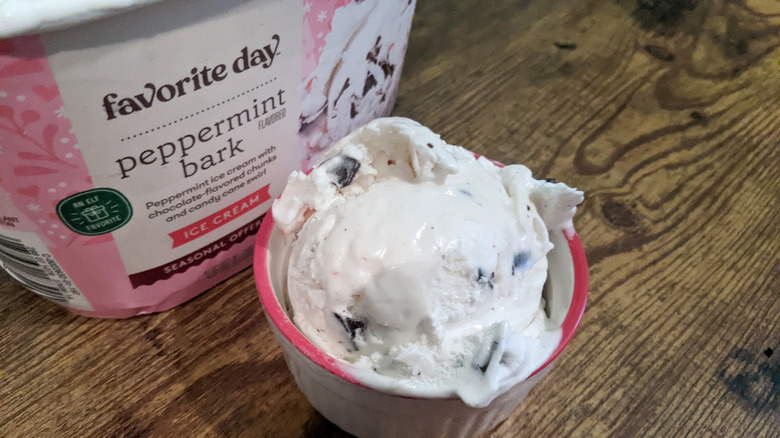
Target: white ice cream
(31,16)
(422,265)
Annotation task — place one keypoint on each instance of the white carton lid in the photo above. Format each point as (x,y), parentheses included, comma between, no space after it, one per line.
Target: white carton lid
(20,17)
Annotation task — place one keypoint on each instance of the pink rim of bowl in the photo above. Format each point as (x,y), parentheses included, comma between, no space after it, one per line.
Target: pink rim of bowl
(286,327)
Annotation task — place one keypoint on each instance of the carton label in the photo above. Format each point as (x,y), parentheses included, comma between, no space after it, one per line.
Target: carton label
(183,160)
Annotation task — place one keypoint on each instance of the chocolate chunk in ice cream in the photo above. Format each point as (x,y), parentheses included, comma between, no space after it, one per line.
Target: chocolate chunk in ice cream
(343,168)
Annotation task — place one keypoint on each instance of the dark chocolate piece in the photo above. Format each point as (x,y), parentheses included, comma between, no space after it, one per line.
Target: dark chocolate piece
(484,366)
(344,171)
(483,278)
(520,260)
(369,84)
(351,326)
(387,68)
(373,55)
(343,89)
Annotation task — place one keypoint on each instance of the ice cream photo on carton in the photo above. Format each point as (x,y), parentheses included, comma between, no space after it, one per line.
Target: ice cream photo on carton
(418,269)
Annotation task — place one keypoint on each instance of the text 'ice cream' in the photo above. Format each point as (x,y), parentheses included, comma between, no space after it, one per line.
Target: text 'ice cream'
(421,265)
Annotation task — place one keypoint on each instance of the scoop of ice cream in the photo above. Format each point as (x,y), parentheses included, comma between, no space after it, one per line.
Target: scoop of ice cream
(420,264)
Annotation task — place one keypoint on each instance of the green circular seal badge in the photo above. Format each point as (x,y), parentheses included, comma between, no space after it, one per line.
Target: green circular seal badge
(94,212)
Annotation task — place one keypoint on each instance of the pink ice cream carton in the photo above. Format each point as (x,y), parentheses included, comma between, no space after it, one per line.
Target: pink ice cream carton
(141,145)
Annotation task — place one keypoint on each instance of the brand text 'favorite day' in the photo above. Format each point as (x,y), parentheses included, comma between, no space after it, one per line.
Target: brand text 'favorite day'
(199,78)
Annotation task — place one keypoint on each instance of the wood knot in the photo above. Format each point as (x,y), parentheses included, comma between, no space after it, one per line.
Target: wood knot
(620,215)
(153,334)
(699,117)
(664,12)
(659,52)
(565,46)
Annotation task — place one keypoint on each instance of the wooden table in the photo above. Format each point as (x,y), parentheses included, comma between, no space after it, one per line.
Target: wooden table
(670,123)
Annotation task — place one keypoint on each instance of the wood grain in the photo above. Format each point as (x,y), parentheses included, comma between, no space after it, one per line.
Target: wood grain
(669,120)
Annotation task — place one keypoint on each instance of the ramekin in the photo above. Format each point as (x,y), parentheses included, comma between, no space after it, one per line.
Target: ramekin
(331,387)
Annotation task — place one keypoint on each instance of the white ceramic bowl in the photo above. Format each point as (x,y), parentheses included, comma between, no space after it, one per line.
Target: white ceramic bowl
(331,388)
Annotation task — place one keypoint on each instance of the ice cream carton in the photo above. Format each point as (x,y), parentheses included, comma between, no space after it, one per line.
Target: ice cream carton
(141,142)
